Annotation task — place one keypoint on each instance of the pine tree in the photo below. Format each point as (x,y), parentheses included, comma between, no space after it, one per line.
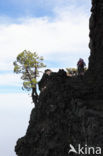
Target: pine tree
(28,64)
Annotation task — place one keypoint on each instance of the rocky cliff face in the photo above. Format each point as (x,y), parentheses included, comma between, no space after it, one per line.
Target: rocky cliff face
(70,109)
(96,40)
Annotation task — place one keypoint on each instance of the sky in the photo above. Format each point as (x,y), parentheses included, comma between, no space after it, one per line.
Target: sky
(58,30)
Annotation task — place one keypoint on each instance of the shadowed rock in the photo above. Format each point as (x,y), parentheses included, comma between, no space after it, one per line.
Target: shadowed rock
(96,40)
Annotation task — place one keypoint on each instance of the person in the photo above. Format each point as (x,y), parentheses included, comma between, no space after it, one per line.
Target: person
(80,66)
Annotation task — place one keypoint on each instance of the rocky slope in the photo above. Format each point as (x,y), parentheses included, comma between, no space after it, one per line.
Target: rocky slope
(70,109)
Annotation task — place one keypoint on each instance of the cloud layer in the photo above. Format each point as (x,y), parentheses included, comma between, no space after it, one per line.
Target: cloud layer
(14,117)
(61,40)
(64,36)
(61,37)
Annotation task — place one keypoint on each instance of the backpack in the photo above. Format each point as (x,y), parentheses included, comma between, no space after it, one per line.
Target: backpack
(81,63)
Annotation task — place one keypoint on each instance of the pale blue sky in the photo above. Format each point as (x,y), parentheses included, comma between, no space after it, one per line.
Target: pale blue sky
(37,8)
(55,29)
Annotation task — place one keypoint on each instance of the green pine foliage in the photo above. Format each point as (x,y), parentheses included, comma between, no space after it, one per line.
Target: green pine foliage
(73,71)
(28,64)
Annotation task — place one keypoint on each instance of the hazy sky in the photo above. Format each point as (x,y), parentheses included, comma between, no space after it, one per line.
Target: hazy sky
(55,29)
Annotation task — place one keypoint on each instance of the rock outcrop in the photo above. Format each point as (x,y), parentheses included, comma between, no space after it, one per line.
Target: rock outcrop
(96,40)
(70,109)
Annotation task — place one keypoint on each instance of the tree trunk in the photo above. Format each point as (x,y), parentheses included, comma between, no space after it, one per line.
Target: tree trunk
(34,96)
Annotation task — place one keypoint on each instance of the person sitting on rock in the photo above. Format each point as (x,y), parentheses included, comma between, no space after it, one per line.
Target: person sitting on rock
(80,66)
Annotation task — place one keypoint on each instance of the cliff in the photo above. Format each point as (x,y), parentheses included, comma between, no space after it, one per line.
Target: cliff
(96,40)
(70,109)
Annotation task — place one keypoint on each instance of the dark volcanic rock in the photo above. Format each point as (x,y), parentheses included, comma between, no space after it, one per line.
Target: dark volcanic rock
(68,112)
(96,40)
(70,109)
